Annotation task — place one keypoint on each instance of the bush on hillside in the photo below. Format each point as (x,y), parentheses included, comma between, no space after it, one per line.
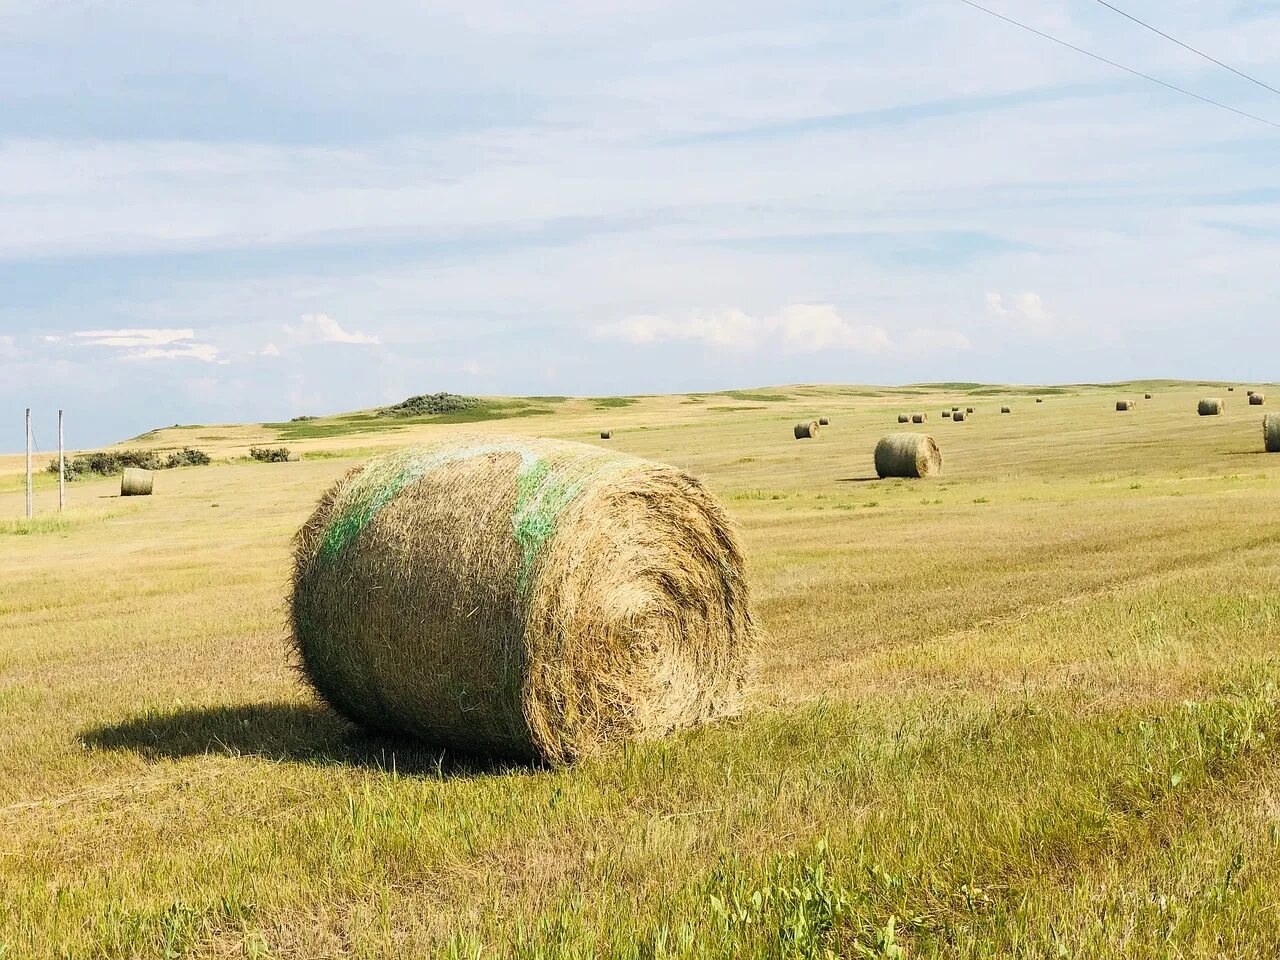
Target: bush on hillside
(429,404)
(110,463)
(270,454)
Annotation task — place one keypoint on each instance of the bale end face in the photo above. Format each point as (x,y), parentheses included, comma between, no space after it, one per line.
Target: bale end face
(1212,407)
(958,416)
(946,414)
(1038,400)
(1271,432)
(1006,410)
(1257,399)
(806,431)
(136,483)
(903,418)
(1146,396)
(439,594)
(1124,405)
(908,455)
(824,421)
(606,434)
(919,417)
(968,409)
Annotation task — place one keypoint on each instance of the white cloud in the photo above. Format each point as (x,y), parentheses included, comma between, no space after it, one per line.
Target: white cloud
(1026,310)
(270,350)
(193,351)
(322,328)
(7,346)
(810,327)
(799,328)
(142,337)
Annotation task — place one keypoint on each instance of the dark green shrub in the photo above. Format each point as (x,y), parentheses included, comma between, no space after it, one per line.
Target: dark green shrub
(429,404)
(270,454)
(110,463)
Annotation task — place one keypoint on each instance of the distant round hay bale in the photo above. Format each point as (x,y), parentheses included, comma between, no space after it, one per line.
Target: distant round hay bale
(958,416)
(1271,432)
(904,418)
(1250,392)
(824,421)
(968,409)
(908,455)
(954,409)
(521,598)
(1124,405)
(1231,389)
(919,417)
(293,457)
(807,431)
(1212,407)
(136,483)
(1039,400)
(1257,399)
(606,434)
(1146,396)
(946,414)
(1006,410)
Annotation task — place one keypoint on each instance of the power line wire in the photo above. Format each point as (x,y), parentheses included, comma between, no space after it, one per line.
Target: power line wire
(1187,46)
(1121,66)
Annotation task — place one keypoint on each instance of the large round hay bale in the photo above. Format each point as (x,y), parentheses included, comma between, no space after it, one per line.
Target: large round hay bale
(904,418)
(1257,399)
(1006,410)
(1122,405)
(136,483)
(919,417)
(1212,407)
(606,434)
(946,414)
(908,455)
(807,431)
(958,416)
(521,598)
(824,421)
(1271,432)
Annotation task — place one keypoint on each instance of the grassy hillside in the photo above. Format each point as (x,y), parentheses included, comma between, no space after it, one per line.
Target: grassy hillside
(1027,709)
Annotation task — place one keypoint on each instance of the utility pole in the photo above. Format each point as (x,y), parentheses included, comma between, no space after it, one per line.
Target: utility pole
(62,469)
(28,463)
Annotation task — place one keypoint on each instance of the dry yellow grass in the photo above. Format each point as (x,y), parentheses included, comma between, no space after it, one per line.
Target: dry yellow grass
(1064,744)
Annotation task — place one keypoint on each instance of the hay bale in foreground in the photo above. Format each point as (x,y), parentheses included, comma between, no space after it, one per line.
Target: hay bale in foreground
(1271,432)
(136,483)
(606,434)
(958,416)
(908,455)
(1257,399)
(1212,407)
(807,431)
(919,417)
(904,418)
(521,598)
(824,421)
(1122,405)
(1006,410)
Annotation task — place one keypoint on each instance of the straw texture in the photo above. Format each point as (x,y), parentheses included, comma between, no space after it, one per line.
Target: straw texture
(824,421)
(136,483)
(1212,407)
(1124,405)
(908,455)
(521,598)
(958,416)
(1271,432)
(919,417)
(904,418)
(1257,399)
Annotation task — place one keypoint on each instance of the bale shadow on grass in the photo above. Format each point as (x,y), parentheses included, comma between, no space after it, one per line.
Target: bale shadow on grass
(303,733)
(857,479)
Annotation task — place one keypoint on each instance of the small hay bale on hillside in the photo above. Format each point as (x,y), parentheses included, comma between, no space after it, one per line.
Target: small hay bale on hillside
(294,457)
(1271,432)
(1124,405)
(1006,410)
(908,455)
(954,409)
(958,416)
(1231,389)
(1212,407)
(606,434)
(1146,396)
(1250,393)
(968,409)
(919,417)
(136,483)
(946,414)
(1257,399)
(806,431)
(904,418)
(521,598)
(1039,400)
(824,421)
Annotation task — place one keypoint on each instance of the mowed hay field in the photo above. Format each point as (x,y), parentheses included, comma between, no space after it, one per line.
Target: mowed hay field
(1028,708)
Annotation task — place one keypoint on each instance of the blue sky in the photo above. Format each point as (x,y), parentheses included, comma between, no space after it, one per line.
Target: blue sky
(250,211)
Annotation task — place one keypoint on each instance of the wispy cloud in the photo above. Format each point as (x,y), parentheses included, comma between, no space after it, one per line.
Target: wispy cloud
(322,328)
(149,343)
(1027,311)
(799,328)
(194,351)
